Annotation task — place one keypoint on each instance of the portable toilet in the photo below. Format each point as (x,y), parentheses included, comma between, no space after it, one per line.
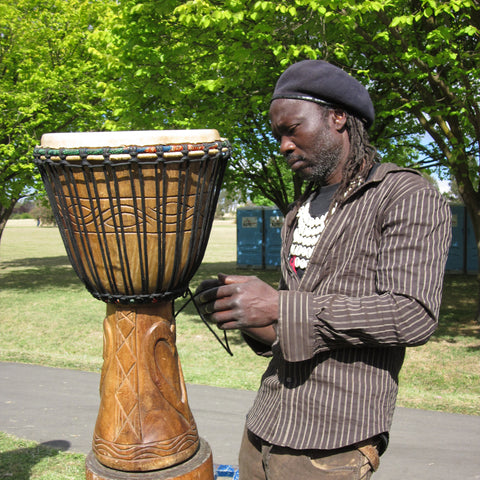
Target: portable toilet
(456,253)
(273,221)
(250,237)
(471,246)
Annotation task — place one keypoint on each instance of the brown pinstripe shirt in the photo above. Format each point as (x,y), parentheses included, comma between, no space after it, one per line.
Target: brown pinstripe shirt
(372,287)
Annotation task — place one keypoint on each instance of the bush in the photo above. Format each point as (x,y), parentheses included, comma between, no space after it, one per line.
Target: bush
(20,216)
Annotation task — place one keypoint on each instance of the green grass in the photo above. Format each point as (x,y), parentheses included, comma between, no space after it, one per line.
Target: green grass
(49,318)
(444,374)
(25,460)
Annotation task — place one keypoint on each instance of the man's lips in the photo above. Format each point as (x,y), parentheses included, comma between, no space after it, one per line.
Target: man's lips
(296,163)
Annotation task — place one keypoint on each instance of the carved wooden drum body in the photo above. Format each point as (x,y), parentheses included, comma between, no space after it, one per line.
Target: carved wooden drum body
(135,217)
(135,210)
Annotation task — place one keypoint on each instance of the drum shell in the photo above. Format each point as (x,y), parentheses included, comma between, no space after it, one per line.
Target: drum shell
(135,231)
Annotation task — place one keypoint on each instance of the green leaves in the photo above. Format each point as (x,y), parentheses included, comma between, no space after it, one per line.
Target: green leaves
(207,64)
(47,84)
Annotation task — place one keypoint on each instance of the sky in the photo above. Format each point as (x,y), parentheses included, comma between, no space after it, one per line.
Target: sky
(443,185)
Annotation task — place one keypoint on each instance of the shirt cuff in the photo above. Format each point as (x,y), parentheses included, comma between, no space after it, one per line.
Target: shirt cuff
(295,328)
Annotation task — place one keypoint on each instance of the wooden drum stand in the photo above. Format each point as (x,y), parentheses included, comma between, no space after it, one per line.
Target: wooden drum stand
(135,210)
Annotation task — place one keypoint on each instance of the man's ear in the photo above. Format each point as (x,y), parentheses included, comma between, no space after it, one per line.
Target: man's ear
(339,119)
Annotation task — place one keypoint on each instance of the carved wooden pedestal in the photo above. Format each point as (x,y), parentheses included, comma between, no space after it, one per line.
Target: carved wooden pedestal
(199,467)
(144,422)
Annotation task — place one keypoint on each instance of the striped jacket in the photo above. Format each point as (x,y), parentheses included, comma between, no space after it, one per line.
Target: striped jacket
(372,288)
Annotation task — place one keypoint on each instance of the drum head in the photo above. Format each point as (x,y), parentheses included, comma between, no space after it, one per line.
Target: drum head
(128,138)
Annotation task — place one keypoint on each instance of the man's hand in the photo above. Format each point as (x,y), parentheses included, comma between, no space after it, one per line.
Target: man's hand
(238,302)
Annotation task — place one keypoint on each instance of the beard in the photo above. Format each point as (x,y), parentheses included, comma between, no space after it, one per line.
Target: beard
(325,165)
(324,161)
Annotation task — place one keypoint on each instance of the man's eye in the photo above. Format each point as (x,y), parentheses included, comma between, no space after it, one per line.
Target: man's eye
(284,132)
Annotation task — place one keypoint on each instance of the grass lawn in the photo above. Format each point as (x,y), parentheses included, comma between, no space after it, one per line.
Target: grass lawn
(25,460)
(49,318)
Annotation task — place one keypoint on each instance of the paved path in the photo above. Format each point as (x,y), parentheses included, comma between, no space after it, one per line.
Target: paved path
(59,407)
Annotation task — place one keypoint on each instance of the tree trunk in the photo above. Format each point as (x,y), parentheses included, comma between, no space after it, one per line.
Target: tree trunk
(5,213)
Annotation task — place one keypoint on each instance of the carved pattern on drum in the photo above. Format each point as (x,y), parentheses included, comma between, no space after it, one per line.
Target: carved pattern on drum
(144,420)
(123,243)
(127,412)
(165,369)
(142,216)
(149,451)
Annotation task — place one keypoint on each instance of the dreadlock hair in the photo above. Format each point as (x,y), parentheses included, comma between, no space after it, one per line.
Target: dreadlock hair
(361,157)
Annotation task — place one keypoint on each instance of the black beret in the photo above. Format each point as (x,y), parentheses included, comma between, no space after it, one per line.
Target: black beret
(321,82)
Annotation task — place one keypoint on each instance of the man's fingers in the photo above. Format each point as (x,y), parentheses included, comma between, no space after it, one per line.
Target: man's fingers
(225,321)
(207,296)
(233,325)
(231,279)
(207,285)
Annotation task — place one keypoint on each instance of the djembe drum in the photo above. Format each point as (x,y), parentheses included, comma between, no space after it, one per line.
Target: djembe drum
(135,210)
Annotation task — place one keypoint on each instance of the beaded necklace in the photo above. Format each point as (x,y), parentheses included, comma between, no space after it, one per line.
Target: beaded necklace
(309,229)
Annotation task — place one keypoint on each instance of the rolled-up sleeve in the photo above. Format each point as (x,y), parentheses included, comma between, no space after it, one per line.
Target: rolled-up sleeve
(407,274)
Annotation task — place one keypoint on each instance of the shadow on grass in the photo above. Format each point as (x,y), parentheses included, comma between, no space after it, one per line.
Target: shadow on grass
(30,274)
(40,262)
(457,315)
(17,464)
(459,306)
(51,272)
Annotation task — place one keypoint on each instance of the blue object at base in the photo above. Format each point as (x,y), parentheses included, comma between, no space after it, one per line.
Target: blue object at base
(225,471)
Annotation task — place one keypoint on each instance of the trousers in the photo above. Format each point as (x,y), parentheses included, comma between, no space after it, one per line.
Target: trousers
(260,460)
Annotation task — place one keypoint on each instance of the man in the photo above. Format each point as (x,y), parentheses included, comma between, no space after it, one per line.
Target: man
(363,257)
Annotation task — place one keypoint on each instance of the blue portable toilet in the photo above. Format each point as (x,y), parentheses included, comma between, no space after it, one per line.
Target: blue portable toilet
(471,247)
(273,221)
(456,254)
(258,237)
(463,254)
(250,237)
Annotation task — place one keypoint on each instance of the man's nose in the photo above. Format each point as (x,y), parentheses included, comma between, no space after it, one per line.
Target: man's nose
(286,145)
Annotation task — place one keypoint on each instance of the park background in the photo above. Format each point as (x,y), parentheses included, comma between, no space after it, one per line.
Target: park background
(129,64)
(49,318)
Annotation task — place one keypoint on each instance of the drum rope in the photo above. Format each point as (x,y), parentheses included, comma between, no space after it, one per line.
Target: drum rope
(182,205)
(142,246)
(120,229)
(100,228)
(59,169)
(225,345)
(94,199)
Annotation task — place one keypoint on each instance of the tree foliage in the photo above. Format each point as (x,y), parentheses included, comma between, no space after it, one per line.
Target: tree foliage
(196,65)
(47,84)
(212,64)
(421,59)
(146,64)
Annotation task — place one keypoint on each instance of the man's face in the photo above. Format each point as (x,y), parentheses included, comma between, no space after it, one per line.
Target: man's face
(308,140)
